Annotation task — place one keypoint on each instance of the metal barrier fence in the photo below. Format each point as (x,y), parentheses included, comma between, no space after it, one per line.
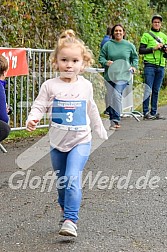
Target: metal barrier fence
(22,90)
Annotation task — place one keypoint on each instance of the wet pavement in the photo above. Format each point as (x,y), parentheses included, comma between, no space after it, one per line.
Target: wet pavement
(124,196)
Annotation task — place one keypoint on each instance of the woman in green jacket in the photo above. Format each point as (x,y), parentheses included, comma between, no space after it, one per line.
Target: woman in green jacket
(114,49)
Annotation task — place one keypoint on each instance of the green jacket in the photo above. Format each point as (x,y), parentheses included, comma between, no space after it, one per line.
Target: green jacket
(113,50)
(155,57)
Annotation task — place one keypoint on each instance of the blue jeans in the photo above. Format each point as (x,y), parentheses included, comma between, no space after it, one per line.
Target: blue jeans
(68,167)
(115,100)
(153,80)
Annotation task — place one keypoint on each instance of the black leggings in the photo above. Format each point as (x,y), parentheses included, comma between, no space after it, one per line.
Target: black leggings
(4,130)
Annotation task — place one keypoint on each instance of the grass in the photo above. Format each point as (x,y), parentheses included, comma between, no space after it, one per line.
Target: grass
(163,97)
(17,135)
(162,100)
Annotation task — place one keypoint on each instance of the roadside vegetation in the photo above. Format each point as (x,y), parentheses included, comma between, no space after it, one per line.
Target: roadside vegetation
(37,24)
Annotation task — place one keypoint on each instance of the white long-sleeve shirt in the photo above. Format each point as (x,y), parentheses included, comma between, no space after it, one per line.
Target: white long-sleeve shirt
(64,135)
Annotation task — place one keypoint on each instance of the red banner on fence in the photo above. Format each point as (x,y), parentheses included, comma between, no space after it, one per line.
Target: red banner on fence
(17,61)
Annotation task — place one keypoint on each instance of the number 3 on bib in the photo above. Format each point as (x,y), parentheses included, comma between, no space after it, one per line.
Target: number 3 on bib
(69,117)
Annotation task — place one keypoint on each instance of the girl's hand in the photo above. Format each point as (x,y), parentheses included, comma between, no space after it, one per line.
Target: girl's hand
(31,125)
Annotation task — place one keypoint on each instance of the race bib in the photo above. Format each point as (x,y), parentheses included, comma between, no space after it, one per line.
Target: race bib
(69,115)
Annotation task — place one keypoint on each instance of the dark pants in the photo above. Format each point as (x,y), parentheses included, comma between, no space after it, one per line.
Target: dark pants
(153,81)
(4,130)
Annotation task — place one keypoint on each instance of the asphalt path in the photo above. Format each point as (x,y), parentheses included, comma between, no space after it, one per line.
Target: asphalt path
(124,206)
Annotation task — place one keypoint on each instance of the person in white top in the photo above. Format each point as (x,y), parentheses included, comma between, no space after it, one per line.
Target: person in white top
(69,101)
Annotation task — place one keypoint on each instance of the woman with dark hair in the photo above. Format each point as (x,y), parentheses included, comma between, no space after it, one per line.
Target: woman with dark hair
(4,127)
(115,49)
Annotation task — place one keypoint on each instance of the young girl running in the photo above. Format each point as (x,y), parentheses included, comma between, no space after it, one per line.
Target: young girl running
(69,101)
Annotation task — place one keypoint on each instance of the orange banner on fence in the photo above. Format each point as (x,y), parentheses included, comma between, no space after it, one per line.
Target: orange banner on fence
(17,61)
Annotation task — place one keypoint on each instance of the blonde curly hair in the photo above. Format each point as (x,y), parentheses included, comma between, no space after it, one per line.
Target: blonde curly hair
(67,33)
(68,39)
